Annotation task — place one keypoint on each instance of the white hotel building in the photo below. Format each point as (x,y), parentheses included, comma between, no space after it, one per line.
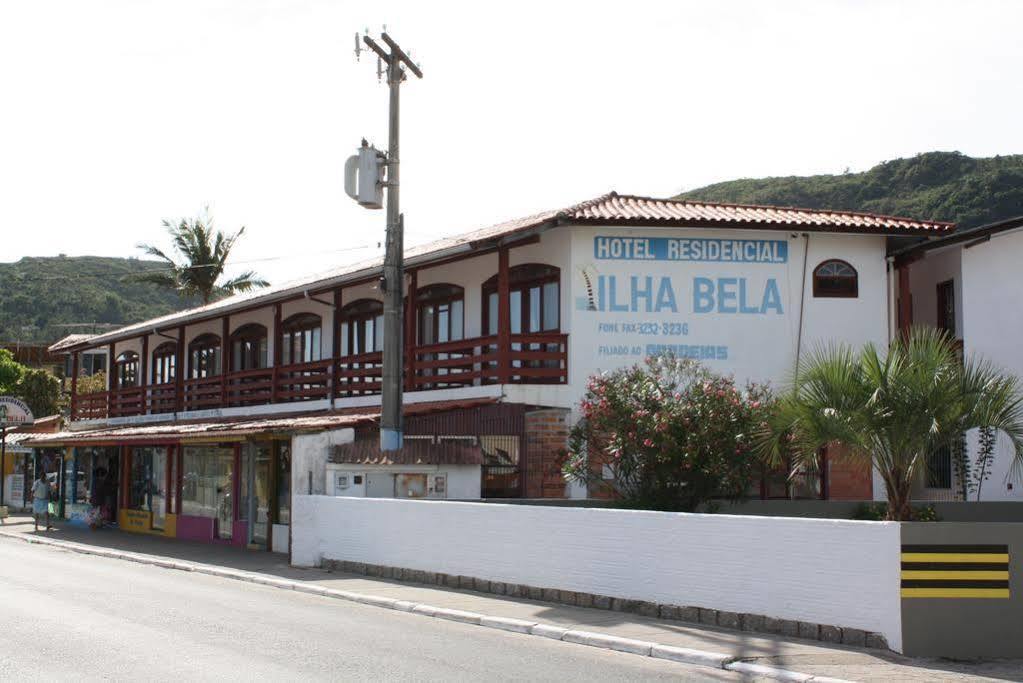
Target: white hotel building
(214,416)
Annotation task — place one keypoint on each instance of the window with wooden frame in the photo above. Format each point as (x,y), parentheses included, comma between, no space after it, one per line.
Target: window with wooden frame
(204,356)
(947,307)
(441,314)
(300,339)
(165,359)
(248,347)
(362,327)
(534,293)
(835,279)
(535,299)
(126,370)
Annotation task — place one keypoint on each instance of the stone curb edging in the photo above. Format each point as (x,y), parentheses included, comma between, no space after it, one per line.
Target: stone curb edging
(590,638)
(734,621)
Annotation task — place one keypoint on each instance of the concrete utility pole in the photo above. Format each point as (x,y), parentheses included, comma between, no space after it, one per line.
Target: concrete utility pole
(394,270)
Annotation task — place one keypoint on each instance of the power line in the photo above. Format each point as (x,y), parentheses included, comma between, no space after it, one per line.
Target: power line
(208,265)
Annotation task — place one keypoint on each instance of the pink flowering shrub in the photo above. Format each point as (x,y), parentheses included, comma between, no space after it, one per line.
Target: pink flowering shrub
(668,434)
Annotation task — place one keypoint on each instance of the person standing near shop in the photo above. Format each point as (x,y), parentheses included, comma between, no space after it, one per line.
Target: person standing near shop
(41,500)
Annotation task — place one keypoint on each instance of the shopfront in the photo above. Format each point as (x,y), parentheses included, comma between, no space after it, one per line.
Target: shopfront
(220,487)
(265,492)
(148,476)
(90,482)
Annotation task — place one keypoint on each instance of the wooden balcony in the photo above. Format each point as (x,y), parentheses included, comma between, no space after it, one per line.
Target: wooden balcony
(540,358)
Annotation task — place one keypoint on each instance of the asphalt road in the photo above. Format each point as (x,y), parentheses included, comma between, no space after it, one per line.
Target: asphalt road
(66,616)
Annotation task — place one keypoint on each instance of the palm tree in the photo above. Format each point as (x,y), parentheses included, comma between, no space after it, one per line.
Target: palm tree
(892,410)
(204,255)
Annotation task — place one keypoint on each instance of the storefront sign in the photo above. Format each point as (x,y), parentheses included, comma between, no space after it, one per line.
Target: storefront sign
(690,249)
(14,412)
(18,490)
(726,298)
(136,520)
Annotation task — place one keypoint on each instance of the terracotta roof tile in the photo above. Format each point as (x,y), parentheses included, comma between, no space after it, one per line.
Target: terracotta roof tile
(367,452)
(607,209)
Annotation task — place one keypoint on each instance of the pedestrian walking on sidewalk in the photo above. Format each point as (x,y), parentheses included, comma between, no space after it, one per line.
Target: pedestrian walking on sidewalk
(41,500)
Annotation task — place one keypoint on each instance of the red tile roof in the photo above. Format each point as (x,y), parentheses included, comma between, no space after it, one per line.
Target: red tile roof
(616,208)
(367,452)
(609,209)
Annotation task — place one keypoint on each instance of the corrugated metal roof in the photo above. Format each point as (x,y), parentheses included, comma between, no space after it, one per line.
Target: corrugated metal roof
(212,430)
(367,452)
(608,209)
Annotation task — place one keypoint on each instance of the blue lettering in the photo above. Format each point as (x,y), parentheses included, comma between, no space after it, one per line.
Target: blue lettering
(612,303)
(638,293)
(772,298)
(726,293)
(703,295)
(666,296)
(744,307)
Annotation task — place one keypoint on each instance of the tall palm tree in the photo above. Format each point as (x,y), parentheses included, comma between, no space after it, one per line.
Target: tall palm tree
(892,409)
(204,252)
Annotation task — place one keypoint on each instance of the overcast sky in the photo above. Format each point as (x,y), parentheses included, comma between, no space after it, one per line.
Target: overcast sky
(115,115)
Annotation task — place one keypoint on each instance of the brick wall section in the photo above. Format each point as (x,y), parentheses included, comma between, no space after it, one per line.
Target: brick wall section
(546,442)
(848,479)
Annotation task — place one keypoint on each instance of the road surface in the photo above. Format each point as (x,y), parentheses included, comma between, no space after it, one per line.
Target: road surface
(67,616)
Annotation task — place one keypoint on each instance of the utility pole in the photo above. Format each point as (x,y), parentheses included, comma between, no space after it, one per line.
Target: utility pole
(393,281)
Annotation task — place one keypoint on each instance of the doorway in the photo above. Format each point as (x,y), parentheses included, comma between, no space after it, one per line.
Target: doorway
(258,485)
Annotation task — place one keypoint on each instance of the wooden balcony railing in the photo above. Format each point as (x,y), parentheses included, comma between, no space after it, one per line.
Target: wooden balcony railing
(539,358)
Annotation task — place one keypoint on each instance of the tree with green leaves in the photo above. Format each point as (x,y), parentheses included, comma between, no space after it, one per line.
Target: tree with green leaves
(10,372)
(40,389)
(892,409)
(203,252)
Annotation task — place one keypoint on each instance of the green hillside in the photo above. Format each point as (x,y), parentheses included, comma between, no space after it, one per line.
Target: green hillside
(40,296)
(945,186)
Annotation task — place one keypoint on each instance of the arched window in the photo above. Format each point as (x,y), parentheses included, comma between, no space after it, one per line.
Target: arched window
(204,356)
(834,278)
(362,327)
(535,293)
(164,363)
(440,311)
(300,339)
(126,370)
(248,347)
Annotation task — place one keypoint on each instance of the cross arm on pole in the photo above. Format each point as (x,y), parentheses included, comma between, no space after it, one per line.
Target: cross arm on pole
(372,45)
(400,54)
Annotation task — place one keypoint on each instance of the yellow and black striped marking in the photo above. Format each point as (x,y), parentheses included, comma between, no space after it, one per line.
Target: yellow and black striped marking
(955,571)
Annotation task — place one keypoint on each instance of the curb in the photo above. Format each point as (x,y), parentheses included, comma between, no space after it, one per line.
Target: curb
(605,641)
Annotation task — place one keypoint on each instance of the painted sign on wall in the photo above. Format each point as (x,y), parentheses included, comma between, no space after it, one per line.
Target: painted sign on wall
(699,294)
(14,412)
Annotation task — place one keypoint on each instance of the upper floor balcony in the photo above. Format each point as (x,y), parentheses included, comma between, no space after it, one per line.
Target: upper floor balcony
(334,351)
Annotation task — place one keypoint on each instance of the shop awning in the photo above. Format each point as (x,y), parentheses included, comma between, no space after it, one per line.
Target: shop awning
(227,429)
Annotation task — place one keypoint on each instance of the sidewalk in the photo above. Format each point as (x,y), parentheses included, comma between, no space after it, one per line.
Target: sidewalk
(806,657)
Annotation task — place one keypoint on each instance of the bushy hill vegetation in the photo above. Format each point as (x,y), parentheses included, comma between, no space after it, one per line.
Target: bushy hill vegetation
(946,186)
(38,296)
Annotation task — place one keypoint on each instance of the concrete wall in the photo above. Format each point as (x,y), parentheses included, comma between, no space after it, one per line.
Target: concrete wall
(960,625)
(309,453)
(924,276)
(758,345)
(842,573)
(993,328)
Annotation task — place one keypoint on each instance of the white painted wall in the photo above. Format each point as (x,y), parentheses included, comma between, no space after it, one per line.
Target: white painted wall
(759,346)
(837,572)
(993,328)
(309,453)
(937,266)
